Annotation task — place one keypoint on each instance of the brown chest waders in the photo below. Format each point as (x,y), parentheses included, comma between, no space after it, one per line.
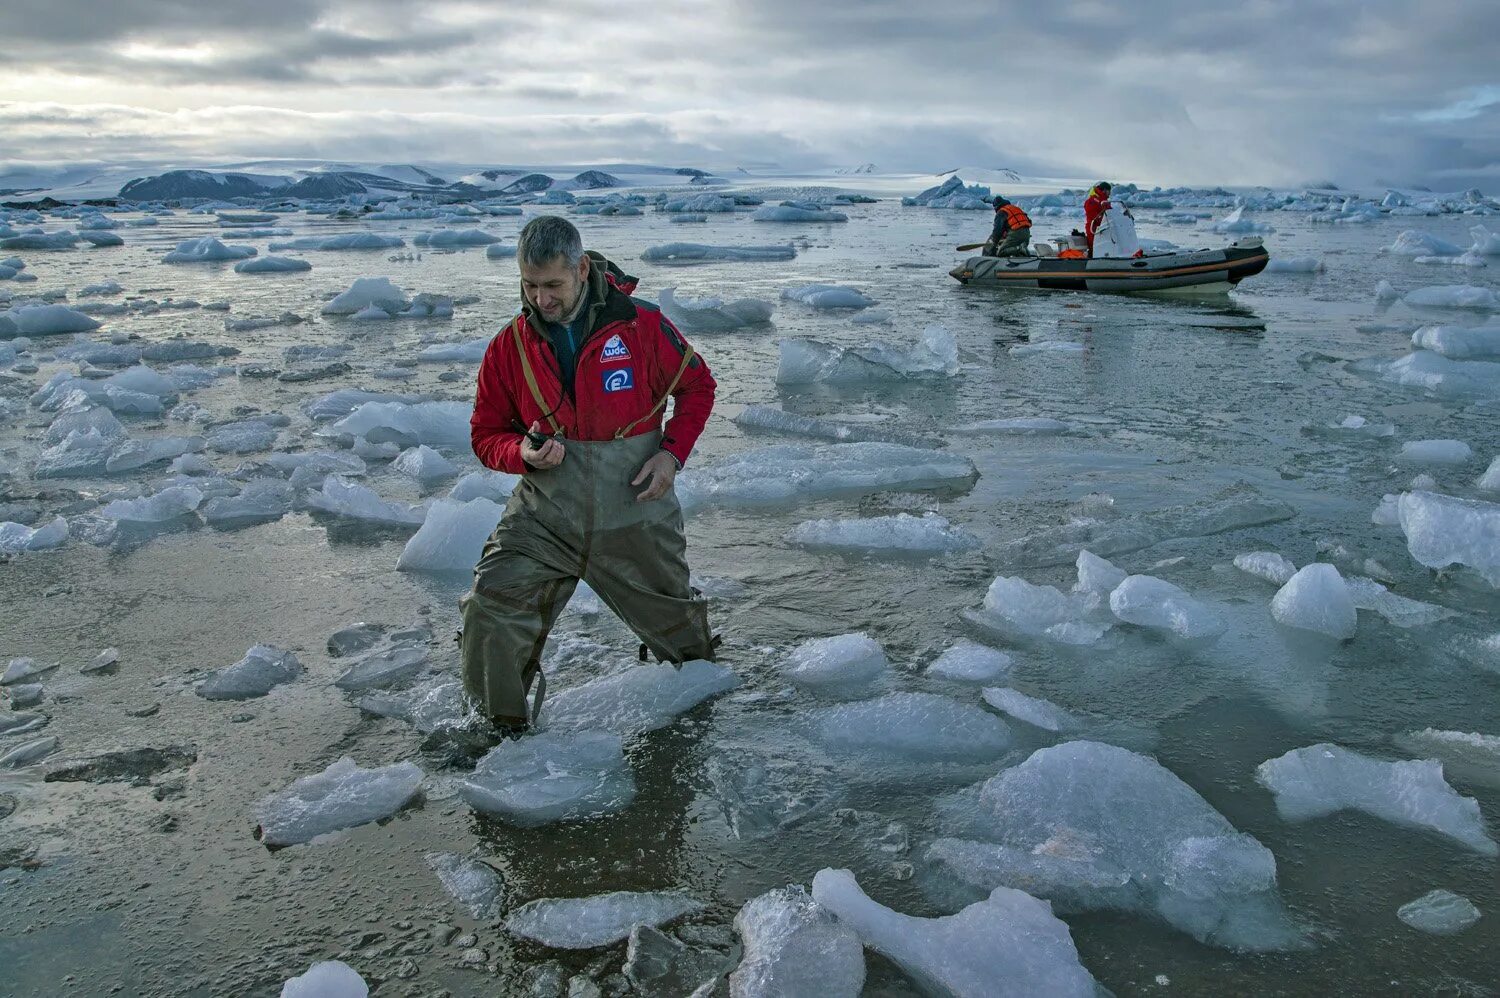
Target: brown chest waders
(579,520)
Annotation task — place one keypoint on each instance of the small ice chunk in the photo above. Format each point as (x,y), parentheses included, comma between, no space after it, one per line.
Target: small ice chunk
(920,727)
(1444,530)
(44,320)
(342,497)
(796,213)
(365,293)
(1439,912)
(1368,594)
(207,250)
(1097,575)
(341,796)
(263,668)
(1454,296)
(17,537)
(1435,452)
(1266,565)
(21,669)
(451,538)
(1010,937)
(1295,265)
(713,315)
(844,659)
(638,699)
(1385,293)
(589,922)
(495,486)
(168,504)
(1034,711)
(1320,779)
(1015,606)
(552,776)
(382,667)
(825,296)
(1316,599)
(28,752)
(795,946)
(1490,480)
(806,361)
(1147,601)
(329,979)
(272,265)
(346,241)
(469,352)
(475,884)
(264,500)
(437,424)
(969,662)
(244,436)
(1413,243)
(424,464)
(1459,342)
(105,661)
(903,533)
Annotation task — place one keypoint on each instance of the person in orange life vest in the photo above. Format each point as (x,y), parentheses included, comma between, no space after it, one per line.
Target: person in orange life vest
(1094,208)
(570,397)
(1012,232)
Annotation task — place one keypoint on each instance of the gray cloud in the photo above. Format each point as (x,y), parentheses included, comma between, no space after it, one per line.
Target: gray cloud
(1176,91)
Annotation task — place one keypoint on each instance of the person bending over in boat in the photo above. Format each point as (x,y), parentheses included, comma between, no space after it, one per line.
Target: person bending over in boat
(1012,232)
(1095,207)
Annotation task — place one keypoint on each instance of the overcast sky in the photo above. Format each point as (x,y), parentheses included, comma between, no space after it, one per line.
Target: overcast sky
(1260,91)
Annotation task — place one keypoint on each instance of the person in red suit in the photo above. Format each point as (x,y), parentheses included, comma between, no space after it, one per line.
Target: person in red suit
(1093,211)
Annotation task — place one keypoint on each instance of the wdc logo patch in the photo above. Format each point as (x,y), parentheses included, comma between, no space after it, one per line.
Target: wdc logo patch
(619,380)
(614,349)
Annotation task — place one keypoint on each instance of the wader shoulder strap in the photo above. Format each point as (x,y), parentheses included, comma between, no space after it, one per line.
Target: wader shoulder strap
(530,376)
(687,358)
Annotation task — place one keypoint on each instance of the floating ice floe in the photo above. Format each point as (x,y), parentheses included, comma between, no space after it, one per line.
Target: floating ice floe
(805,361)
(44,320)
(1459,342)
(347,241)
(970,662)
(437,424)
(244,436)
(36,239)
(1465,260)
(795,946)
(21,669)
(263,500)
(1414,243)
(1157,604)
(263,668)
(28,752)
(133,454)
(17,537)
(167,505)
(1295,265)
(589,922)
(1267,565)
(1321,779)
(1470,756)
(912,727)
(1453,296)
(902,534)
(495,486)
(207,250)
(700,253)
(1316,599)
(475,884)
(1486,243)
(251,325)
(796,213)
(365,293)
(842,660)
(496,251)
(455,238)
(329,979)
(341,796)
(341,497)
(1010,937)
(637,699)
(1017,608)
(1093,827)
(1353,426)
(382,666)
(552,776)
(272,265)
(452,536)
(789,474)
(1440,452)
(1236,223)
(769,417)
(1439,912)
(713,315)
(470,352)
(826,296)
(1445,530)
(424,464)
(1031,710)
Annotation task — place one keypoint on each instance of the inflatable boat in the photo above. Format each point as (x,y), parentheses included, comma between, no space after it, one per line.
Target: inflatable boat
(1120,264)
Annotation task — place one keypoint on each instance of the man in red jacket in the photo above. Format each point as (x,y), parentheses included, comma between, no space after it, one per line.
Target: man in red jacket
(571,396)
(1094,208)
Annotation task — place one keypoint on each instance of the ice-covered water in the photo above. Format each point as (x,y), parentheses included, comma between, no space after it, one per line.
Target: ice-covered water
(1170,436)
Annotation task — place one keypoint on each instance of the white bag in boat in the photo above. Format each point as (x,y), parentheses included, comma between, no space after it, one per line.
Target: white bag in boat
(1116,236)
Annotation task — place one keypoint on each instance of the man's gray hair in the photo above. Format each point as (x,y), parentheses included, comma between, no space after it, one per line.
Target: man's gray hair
(547,237)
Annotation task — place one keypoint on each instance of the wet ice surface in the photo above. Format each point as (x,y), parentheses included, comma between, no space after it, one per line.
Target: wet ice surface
(1185,429)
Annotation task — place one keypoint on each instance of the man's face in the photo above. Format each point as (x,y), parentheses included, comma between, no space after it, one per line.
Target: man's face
(554,287)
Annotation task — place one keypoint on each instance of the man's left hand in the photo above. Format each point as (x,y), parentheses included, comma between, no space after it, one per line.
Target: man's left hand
(662,470)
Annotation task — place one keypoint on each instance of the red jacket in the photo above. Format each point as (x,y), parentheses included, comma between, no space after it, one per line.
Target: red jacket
(625,366)
(1093,212)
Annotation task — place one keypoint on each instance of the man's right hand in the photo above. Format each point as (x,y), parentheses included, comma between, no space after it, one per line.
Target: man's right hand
(549,455)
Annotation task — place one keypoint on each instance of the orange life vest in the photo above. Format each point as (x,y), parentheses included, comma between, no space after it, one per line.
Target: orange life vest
(1016,218)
